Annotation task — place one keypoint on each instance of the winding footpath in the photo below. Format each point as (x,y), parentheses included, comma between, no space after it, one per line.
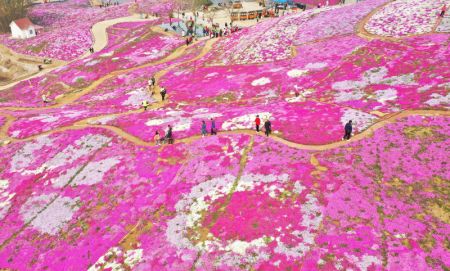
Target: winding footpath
(99,32)
(100,39)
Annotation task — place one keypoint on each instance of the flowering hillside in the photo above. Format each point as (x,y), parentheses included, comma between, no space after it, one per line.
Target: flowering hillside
(84,185)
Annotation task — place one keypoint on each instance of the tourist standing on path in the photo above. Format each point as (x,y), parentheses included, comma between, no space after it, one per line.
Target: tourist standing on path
(348,130)
(157,138)
(145,104)
(257,123)
(163,93)
(213,127)
(169,135)
(268,127)
(204,132)
(45,99)
(443,10)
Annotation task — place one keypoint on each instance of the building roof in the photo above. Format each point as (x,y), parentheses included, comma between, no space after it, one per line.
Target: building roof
(23,23)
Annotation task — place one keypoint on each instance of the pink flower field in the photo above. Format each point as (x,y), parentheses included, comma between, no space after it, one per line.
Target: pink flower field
(84,185)
(66,29)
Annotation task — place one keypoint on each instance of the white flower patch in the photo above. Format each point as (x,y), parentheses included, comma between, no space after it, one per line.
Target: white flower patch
(364,262)
(244,122)
(109,261)
(44,118)
(404,17)
(24,157)
(107,54)
(385,95)
(344,96)
(192,205)
(207,116)
(65,178)
(405,79)
(189,209)
(445,85)
(296,73)
(135,97)
(437,99)
(91,174)
(200,110)
(182,125)
(425,88)
(81,147)
(103,97)
(311,219)
(316,65)
(444,26)
(103,120)
(240,247)
(78,78)
(270,93)
(348,85)
(178,124)
(213,74)
(16,133)
(92,63)
(48,213)
(5,198)
(360,119)
(175,113)
(261,81)
(375,75)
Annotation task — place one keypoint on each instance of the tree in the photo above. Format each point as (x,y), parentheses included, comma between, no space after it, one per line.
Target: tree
(11,10)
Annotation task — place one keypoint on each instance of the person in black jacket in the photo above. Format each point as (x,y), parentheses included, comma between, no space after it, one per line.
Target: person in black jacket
(163,93)
(169,135)
(268,127)
(348,130)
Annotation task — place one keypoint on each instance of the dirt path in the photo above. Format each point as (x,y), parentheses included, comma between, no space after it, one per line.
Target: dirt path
(99,32)
(100,35)
(100,40)
(388,119)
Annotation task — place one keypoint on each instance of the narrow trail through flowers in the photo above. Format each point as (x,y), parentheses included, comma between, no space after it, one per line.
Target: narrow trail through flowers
(100,41)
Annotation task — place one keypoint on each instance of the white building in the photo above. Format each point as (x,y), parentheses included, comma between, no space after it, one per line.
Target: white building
(22,29)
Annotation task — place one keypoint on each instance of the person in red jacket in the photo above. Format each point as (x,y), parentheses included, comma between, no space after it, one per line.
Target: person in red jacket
(444,9)
(257,123)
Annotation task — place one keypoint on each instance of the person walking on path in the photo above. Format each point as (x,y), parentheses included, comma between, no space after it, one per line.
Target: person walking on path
(257,123)
(145,104)
(268,127)
(169,135)
(348,130)
(204,132)
(163,93)
(45,98)
(157,139)
(213,127)
(443,10)
(152,84)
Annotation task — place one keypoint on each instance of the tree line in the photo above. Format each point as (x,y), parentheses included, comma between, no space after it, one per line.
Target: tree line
(11,10)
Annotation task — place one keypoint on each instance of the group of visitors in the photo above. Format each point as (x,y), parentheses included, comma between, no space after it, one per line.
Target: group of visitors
(168,137)
(152,86)
(213,128)
(109,3)
(164,138)
(216,31)
(267,125)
